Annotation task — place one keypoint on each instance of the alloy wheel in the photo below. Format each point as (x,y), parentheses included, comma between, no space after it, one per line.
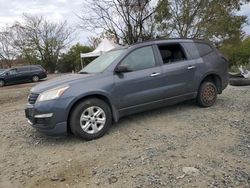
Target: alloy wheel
(92,119)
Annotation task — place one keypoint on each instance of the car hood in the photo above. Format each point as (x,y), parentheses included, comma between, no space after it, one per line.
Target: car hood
(59,81)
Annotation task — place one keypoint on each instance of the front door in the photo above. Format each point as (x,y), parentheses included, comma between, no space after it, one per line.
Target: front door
(11,76)
(143,84)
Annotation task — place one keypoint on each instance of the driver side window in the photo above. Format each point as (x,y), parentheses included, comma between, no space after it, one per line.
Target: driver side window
(140,59)
(12,72)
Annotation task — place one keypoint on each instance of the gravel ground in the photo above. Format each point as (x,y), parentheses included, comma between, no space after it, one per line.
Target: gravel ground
(177,146)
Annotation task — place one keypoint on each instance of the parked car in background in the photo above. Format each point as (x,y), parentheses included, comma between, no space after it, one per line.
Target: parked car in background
(126,81)
(22,74)
(1,70)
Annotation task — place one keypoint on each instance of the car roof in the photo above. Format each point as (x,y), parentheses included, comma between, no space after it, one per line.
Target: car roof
(161,41)
(171,40)
(27,66)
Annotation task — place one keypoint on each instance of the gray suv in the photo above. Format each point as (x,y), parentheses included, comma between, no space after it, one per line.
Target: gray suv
(125,81)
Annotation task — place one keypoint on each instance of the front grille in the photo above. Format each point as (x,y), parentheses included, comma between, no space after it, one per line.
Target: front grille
(32,98)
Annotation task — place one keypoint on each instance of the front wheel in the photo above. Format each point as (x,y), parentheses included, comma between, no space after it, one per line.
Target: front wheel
(90,119)
(1,83)
(207,94)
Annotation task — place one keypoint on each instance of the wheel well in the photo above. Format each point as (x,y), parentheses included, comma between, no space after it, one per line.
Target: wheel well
(105,99)
(216,80)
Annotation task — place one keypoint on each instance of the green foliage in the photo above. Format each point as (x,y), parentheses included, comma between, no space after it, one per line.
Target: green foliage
(206,19)
(162,14)
(72,61)
(237,54)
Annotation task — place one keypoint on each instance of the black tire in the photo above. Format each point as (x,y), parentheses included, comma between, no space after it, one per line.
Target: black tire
(239,81)
(207,94)
(77,113)
(35,78)
(2,83)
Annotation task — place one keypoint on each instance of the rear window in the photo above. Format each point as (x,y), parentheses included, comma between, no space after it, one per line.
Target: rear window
(203,49)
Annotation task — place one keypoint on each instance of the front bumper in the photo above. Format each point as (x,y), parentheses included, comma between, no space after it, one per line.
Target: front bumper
(45,119)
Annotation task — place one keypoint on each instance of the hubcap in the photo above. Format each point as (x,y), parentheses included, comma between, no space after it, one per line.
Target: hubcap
(92,119)
(209,94)
(35,78)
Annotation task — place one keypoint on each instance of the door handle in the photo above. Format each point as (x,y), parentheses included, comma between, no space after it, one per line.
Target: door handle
(191,67)
(155,74)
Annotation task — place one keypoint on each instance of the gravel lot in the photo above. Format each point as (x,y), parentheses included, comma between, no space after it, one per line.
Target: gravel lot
(177,146)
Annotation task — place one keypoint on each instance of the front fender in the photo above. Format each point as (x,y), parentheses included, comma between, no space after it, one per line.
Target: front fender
(98,94)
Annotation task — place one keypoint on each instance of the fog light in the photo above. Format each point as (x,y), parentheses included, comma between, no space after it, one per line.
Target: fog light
(44,115)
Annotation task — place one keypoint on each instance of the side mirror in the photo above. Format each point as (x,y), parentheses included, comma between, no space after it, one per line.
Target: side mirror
(7,73)
(122,68)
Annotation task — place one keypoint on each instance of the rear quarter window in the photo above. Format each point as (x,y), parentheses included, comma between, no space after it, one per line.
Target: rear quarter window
(203,49)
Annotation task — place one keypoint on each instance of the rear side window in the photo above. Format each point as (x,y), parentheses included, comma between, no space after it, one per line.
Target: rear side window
(12,72)
(139,59)
(203,49)
(171,53)
(35,68)
(23,69)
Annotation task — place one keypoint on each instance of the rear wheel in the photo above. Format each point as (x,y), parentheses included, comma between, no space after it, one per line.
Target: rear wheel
(207,94)
(90,119)
(1,83)
(35,78)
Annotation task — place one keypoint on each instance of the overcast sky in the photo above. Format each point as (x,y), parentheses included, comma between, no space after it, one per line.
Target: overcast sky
(59,10)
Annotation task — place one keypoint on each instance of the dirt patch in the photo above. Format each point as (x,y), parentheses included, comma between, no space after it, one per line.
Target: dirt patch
(149,149)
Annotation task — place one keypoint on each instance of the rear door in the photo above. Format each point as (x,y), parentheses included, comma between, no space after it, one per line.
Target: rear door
(178,71)
(23,74)
(143,84)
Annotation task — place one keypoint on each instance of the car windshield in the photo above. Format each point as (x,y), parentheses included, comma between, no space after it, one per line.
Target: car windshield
(2,71)
(102,62)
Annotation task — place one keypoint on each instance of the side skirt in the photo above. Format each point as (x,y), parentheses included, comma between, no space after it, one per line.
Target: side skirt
(155,104)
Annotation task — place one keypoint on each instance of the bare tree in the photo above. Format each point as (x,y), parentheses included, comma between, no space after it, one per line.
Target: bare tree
(94,41)
(24,44)
(8,52)
(127,20)
(43,39)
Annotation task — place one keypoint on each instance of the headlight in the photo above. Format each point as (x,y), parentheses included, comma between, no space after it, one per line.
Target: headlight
(52,93)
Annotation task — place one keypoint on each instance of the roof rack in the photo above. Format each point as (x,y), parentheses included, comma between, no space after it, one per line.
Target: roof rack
(167,39)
